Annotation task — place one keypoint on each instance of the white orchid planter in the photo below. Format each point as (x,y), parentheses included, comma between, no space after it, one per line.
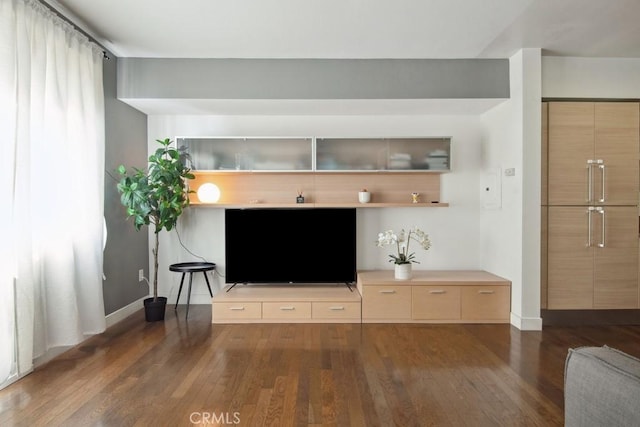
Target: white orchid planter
(402,271)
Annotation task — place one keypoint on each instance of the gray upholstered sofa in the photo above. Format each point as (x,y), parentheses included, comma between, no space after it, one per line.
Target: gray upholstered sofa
(601,388)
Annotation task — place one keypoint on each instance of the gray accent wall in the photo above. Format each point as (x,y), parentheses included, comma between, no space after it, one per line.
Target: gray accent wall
(127,250)
(174,78)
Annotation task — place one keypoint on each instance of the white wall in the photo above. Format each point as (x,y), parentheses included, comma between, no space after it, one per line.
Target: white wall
(454,231)
(504,241)
(510,234)
(569,77)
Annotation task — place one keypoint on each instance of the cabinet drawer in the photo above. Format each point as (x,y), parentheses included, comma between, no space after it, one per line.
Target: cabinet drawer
(386,302)
(286,310)
(335,310)
(486,303)
(236,310)
(435,303)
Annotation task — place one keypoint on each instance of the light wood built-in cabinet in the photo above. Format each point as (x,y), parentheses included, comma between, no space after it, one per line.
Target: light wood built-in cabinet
(286,304)
(592,257)
(544,259)
(272,172)
(544,198)
(590,213)
(592,153)
(450,296)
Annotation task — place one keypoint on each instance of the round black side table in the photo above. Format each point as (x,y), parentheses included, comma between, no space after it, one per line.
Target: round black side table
(191,267)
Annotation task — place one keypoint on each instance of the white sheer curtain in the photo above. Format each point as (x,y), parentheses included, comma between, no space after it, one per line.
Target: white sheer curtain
(51,188)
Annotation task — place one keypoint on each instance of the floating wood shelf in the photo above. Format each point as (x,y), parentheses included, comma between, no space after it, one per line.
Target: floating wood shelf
(321,205)
(279,189)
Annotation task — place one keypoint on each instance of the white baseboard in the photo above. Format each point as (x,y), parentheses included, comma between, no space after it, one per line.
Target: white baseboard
(124,312)
(526,323)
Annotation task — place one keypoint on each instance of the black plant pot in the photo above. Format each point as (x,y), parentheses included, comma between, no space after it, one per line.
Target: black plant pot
(154,310)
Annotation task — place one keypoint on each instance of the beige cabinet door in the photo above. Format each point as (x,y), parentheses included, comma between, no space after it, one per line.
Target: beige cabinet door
(386,302)
(616,258)
(435,302)
(570,258)
(592,219)
(543,256)
(571,147)
(617,143)
(286,310)
(544,200)
(485,303)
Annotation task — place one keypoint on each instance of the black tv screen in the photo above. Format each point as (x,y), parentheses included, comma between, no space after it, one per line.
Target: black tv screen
(297,245)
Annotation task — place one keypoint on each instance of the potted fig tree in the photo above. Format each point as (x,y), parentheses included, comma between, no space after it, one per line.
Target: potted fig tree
(156,197)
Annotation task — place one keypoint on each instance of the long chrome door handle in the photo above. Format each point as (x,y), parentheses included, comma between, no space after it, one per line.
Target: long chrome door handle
(589,211)
(590,179)
(602,237)
(601,166)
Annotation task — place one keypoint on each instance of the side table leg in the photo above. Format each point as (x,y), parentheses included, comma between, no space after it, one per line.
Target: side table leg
(189,295)
(208,286)
(179,291)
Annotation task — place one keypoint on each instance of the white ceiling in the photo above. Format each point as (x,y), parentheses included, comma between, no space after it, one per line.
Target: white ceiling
(360,28)
(352,29)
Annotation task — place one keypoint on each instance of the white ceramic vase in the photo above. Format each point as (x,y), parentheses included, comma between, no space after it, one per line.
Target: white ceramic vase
(402,271)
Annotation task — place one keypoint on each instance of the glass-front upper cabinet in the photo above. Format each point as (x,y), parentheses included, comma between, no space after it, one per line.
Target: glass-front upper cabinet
(394,154)
(248,154)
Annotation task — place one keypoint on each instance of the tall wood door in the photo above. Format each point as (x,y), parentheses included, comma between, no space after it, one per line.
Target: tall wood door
(544,200)
(570,263)
(570,148)
(615,230)
(543,256)
(592,257)
(617,144)
(593,153)
(593,183)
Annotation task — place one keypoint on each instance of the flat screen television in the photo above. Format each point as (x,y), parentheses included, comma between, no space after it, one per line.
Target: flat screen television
(290,245)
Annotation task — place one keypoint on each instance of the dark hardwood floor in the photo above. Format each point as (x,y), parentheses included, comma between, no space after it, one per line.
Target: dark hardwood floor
(180,373)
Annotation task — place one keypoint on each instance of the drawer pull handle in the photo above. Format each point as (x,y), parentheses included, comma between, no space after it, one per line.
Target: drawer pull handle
(387,291)
(486,292)
(336,308)
(287,308)
(236,308)
(438,291)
